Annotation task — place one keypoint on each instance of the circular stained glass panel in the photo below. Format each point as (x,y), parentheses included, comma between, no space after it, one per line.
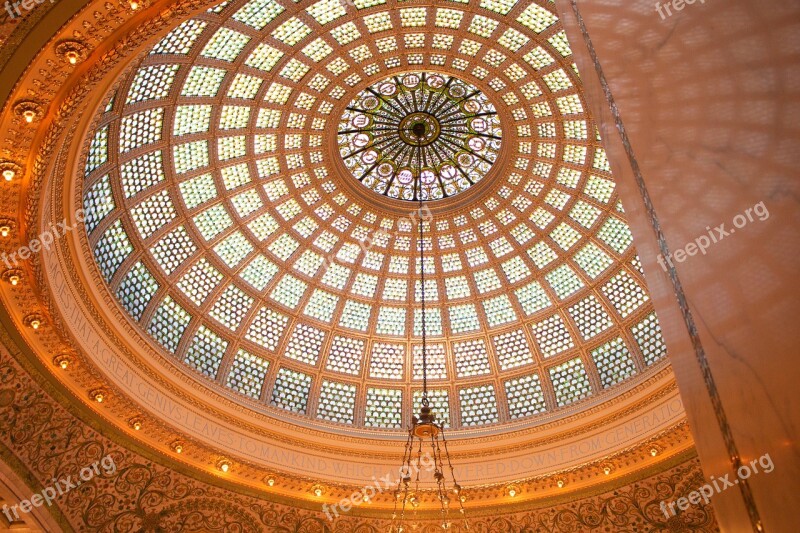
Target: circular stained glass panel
(419,134)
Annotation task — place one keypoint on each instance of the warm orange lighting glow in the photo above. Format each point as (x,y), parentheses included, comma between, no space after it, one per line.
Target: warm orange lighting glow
(35,323)
(560,483)
(178,448)
(134,5)
(29,115)
(653,452)
(99,397)
(5,230)
(13,279)
(224,465)
(8,174)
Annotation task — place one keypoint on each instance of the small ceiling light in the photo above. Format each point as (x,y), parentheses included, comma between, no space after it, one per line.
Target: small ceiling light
(136,424)
(223,465)
(134,4)
(653,451)
(71,51)
(5,230)
(28,110)
(270,481)
(98,396)
(606,470)
(177,447)
(13,276)
(560,483)
(9,169)
(62,361)
(34,321)
(512,491)
(317,490)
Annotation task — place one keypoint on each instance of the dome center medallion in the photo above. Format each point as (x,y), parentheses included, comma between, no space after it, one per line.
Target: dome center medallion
(419,133)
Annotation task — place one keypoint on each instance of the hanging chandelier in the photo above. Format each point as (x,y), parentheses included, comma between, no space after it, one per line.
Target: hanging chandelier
(426,443)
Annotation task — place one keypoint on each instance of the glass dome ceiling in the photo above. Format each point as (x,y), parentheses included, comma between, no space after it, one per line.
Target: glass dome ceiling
(217,216)
(419,127)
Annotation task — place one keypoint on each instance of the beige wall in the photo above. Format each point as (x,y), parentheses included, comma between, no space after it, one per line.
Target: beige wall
(709,97)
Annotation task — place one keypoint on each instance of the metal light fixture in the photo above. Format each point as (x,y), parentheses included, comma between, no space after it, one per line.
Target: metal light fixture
(426,432)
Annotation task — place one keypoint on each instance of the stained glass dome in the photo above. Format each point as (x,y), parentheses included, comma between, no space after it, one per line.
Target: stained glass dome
(422,126)
(219,186)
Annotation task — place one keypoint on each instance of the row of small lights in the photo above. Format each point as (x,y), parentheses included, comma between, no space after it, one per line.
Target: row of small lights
(513,490)
(223,465)
(73,52)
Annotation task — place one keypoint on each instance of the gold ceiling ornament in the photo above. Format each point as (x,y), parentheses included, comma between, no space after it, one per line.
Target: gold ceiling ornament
(28,110)
(425,429)
(63,361)
(654,450)
(98,395)
(9,169)
(34,321)
(12,276)
(178,446)
(223,464)
(513,490)
(71,51)
(6,225)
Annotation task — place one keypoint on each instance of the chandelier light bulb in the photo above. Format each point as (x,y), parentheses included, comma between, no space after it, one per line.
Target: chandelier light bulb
(8,174)
(29,115)
(13,279)
(5,230)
